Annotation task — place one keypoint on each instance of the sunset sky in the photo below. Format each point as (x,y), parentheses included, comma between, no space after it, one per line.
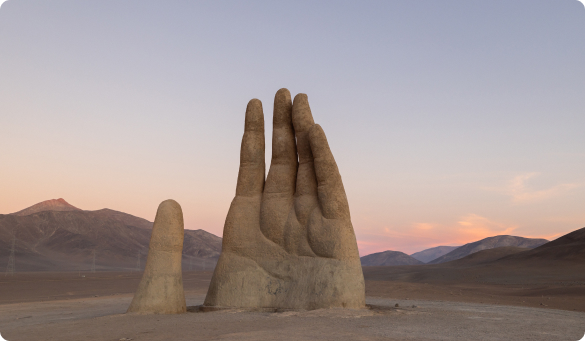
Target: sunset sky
(450,120)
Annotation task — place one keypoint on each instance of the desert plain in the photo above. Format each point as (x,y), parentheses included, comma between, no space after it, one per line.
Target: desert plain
(435,302)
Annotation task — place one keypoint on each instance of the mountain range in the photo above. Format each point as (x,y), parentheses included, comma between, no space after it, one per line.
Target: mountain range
(428,255)
(549,264)
(389,258)
(56,236)
(568,248)
(443,254)
(489,243)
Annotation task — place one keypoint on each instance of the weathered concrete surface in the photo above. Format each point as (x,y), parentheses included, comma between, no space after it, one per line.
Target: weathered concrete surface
(161,289)
(288,241)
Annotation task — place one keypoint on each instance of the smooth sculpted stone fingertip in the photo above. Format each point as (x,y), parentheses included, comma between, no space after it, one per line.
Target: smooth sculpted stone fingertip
(254,116)
(282,109)
(169,236)
(302,116)
(161,289)
(302,98)
(252,162)
(282,92)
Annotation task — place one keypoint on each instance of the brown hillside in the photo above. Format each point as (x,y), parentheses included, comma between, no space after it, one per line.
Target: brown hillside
(48,205)
(66,240)
(569,248)
(428,255)
(486,256)
(124,218)
(489,243)
(389,258)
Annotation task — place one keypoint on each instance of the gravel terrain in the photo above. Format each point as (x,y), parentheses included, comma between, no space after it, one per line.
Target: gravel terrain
(103,318)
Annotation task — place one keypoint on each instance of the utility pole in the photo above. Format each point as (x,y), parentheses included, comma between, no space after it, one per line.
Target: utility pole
(11,263)
(93,264)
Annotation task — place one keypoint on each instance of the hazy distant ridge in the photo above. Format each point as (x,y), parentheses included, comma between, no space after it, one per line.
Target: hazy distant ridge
(489,243)
(389,258)
(428,255)
(570,247)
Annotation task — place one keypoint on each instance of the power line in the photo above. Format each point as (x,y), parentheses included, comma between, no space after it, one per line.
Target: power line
(138,262)
(93,264)
(11,260)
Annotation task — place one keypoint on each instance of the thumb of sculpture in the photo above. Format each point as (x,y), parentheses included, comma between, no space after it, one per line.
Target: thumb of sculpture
(161,289)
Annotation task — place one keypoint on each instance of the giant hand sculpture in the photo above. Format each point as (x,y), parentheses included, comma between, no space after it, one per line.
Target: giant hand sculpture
(288,241)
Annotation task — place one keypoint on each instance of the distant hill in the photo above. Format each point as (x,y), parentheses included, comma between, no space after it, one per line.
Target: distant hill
(389,258)
(56,237)
(428,255)
(48,205)
(124,218)
(487,255)
(554,268)
(489,243)
(570,247)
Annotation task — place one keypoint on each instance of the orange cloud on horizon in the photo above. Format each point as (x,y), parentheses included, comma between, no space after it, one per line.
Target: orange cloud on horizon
(420,236)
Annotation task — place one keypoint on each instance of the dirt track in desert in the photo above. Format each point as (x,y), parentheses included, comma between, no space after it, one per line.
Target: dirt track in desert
(65,306)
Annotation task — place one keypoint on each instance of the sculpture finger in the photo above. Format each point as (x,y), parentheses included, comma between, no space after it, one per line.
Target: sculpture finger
(252,163)
(283,167)
(161,289)
(332,195)
(302,121)
(280,183)
(306,189)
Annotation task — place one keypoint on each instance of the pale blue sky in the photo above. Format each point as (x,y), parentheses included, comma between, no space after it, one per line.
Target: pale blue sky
(450,120)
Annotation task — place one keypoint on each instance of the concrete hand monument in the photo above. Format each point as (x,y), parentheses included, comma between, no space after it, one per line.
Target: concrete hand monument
(161,289)
(288,241)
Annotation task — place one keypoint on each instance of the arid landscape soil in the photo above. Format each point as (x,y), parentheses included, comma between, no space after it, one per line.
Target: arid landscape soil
(451,304)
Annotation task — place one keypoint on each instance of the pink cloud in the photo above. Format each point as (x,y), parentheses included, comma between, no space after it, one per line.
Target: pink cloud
(420,236)
(521,193)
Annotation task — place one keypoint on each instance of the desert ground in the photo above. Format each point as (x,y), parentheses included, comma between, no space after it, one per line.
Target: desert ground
(67,306)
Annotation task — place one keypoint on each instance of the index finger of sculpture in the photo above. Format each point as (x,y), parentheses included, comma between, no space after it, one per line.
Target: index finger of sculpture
(252,163)
(332,195)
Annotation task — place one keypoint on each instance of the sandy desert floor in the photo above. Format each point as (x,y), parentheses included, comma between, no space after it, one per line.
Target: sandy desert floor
(53,306)
(540,285)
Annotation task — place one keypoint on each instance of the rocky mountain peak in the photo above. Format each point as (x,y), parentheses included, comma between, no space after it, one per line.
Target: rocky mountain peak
(48,205)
